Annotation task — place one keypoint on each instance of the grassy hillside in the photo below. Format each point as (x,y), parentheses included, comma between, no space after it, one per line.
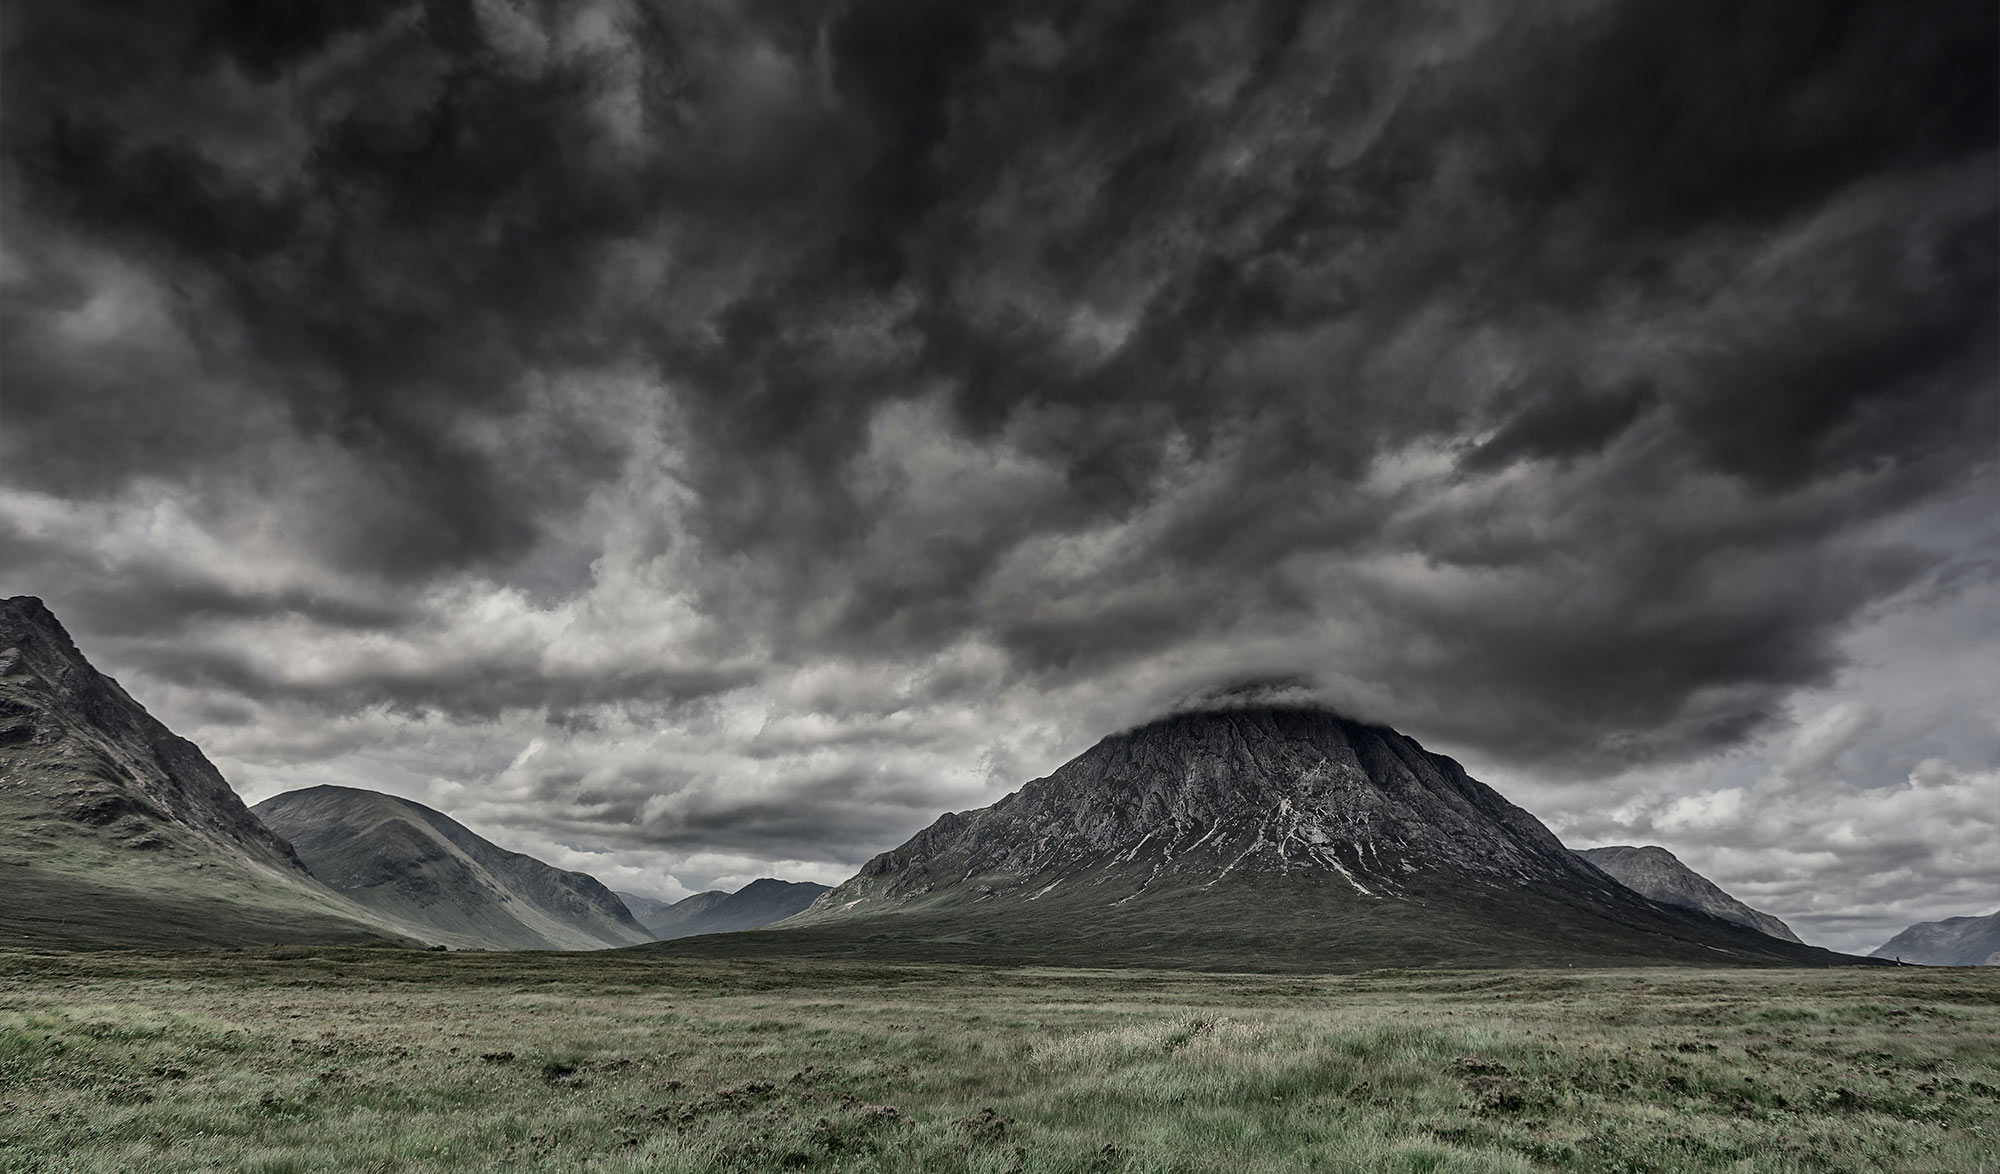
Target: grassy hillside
(298,1059)
(110,876)
(413,866)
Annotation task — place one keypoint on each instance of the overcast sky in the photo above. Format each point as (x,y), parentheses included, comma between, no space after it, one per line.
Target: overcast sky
(701,440)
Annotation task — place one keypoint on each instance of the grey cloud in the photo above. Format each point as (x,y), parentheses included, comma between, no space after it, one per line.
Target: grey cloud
(1843,864)
(475,689)
(1562,421)
(1559,377)
(169,606)
(806,813)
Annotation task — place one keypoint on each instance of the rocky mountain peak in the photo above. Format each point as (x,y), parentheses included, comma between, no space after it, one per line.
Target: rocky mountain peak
(126,767)
(1213,794)
(1259,837)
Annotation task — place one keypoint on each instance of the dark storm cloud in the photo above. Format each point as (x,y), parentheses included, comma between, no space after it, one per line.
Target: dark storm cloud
(391,224)
(1561,421)
(464,688)
(1562,168)
(846,809)
(99,596)
(1560,372)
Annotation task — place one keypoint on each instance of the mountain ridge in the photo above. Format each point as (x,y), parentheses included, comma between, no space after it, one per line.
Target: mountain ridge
(1953,941)
(1659,875)
(413,864)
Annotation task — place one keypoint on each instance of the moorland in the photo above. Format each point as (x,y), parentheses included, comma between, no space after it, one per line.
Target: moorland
(295,1059)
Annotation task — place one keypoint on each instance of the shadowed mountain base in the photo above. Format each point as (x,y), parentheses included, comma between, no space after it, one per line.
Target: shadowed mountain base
(167,908)
(1282,923)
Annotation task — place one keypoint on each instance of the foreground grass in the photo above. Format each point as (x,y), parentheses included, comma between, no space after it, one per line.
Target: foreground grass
(294,1060)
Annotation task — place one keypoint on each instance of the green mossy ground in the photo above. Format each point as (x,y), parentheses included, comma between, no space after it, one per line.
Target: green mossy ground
(377,1059)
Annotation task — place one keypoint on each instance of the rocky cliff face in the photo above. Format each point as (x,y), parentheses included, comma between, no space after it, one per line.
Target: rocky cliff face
(421,868)
(1270,837)
(1657,874)
(1955,941)
(127,772)
(117,830)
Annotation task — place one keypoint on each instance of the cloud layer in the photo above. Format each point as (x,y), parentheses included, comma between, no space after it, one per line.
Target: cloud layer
(710,438)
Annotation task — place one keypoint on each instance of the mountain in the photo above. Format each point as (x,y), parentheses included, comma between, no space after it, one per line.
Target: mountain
(641,907)
(115,831)
(1658,875)
(1253,839)
(419,867)
(755,905)
(1955,941)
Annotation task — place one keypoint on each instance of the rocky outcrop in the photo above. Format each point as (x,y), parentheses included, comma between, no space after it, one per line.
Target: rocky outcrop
(129,771)
(1657,874)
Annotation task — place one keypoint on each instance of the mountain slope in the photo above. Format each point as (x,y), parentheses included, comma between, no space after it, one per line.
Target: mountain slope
(641,907)
(755,905)
(404,861)
(1955,941)
(1657,874)
(114,831)
(1269,838)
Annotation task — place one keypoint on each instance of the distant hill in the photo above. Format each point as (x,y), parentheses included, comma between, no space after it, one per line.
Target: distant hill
(417,866)
(115,831)
(1657,874)
(1955,941)
(640,906)
(1253,839)
(755,905)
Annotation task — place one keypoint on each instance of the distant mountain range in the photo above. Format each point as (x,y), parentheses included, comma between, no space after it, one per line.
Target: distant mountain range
(1253,839)
(417,867)
(1658,874)
(755,905)
(1256,838)
(113,831)
(1955,941)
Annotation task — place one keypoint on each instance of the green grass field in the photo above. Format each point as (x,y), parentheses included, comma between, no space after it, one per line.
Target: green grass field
(376,1059)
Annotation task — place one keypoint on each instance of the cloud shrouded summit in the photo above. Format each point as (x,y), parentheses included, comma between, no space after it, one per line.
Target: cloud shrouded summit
(701,440)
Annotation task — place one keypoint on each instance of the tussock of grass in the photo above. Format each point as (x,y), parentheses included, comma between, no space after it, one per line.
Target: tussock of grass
(293,1060)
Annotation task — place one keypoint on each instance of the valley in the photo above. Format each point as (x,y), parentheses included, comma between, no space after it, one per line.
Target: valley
(1256,939)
